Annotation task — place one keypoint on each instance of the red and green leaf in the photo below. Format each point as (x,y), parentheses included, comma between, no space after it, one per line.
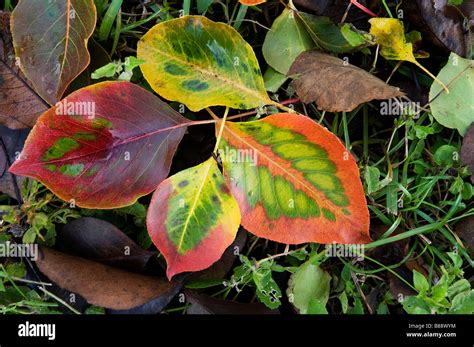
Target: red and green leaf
(294,181)
(50,38)
(193,218)
(103,146)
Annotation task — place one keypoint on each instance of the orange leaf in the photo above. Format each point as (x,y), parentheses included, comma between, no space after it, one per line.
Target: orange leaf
(252,2)
(294,181)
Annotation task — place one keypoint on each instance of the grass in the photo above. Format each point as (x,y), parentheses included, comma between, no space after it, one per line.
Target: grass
(409,190)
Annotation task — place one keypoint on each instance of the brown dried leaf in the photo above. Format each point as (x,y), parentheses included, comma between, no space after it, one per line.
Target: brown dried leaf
(335,85)
(440,24)
(103,285)
(20,105)
(465,230)
(101,241)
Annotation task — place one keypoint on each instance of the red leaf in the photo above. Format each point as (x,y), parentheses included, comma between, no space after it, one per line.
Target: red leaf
(103,146)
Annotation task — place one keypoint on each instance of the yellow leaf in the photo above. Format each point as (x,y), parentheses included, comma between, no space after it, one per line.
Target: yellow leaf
(390,35)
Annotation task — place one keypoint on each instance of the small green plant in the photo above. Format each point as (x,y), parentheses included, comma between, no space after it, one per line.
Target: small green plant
(450,294)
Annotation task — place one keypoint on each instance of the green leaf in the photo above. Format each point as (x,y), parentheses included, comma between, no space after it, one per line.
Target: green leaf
(463,303)
(308,288)
(106,71)
(372,179)
(446,155)
(344,301)
(268,291)
(273,80)
(415,305)
(440,289)
(458,287)
(455,259)
(456,109)
(420,282)
(201,63)
(329,37)
(286,39)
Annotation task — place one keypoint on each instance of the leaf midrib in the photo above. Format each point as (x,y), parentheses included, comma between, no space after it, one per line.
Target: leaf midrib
(193,207)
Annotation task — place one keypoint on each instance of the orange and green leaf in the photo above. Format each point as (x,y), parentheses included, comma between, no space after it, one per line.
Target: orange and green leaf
(294,181)
(103,146)
(50,39)
(201,63)
(193,218)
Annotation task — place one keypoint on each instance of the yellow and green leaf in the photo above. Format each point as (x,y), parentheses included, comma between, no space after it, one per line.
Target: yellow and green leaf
(294,181)
(201,63)
(390,35)
(193,218)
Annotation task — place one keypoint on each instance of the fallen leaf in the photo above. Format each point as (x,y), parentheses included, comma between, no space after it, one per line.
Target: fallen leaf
(20,104)
(334,84)
(87,148)
(439,27)
(456,109)
(390,35)
(286,39)
(14,141)
(201,63)
(204,304)
(252,2)
(467,150)
(101,241)
(465,230)
(193,218)
(329,37)
(308,289)
(52,52)
(220,268)
(294,181)
(103,285)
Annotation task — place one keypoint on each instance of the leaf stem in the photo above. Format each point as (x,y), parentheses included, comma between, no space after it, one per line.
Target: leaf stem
(221,130)
(283,107)
(363,8)
(213,115)
(431,75)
